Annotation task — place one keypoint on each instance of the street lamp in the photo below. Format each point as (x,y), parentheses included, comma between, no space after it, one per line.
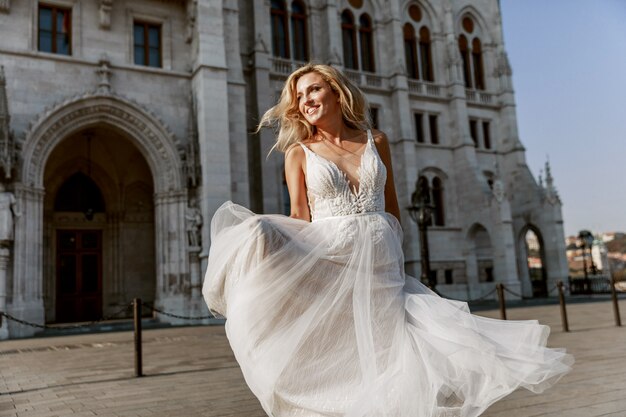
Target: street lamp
(420,211)
(586,240)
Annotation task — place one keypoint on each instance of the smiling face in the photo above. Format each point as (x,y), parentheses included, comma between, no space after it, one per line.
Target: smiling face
(317,102)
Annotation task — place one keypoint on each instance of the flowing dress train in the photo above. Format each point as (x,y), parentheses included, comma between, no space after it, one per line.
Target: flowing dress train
(324,322)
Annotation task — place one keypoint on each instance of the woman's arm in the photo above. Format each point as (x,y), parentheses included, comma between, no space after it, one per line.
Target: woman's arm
(391,198)
(294,175)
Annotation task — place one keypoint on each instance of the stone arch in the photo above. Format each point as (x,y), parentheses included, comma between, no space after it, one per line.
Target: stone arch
(482,24)
(534,282)
(480,253)
(154,140)
(432,171)
(433,22)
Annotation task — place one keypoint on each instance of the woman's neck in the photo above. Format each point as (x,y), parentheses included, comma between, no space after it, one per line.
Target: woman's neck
(336,133)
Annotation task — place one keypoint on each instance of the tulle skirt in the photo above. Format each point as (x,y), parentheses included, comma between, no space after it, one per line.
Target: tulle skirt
(324,322)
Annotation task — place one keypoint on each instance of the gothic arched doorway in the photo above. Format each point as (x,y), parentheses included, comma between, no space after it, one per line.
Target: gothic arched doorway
(99,223)
(535,262)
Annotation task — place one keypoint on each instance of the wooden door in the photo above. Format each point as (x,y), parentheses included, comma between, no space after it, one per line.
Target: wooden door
(79,275)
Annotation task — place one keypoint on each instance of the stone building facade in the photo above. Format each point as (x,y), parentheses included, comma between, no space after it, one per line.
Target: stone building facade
(125,124)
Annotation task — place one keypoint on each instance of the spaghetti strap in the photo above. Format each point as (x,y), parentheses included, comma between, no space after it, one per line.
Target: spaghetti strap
(306,148)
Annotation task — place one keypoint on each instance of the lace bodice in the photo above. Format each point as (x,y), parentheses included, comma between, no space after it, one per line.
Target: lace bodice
(329,191)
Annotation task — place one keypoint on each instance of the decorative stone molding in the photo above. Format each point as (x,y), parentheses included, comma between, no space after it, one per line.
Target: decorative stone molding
(105,13)
(104,72)
(9,148)
(192,157)
(5,5)
(192,15)
(158,143)
(551,194)
(260,45)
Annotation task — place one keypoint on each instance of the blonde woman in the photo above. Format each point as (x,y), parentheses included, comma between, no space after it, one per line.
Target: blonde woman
(321,317)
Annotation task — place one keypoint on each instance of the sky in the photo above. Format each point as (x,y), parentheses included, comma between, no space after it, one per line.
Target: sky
(569,74)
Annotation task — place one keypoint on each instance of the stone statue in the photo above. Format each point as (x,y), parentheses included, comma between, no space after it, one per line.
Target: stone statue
(8,209)
(498,190)
(194,224)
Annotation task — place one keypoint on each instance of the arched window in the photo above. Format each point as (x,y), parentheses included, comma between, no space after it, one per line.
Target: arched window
(465,55)
(472,54)
(412,65)
(426,55)
(437,191)
(477,63)
(348,35)
(418,46)
(367,45)
(424,187)
(280,33)
(298,31)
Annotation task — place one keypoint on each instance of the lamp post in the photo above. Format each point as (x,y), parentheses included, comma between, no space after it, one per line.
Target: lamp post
(420,211)
(586,240)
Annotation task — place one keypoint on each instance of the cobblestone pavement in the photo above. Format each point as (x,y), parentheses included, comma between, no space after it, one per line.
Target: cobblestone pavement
(191,371)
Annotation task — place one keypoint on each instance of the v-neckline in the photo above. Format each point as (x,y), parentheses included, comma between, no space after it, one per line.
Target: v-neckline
(355,191)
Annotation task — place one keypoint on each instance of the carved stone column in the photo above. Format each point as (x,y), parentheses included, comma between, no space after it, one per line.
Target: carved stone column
(5,257)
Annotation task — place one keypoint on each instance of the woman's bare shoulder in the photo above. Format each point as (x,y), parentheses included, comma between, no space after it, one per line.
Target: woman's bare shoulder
(294,153)
(380,137)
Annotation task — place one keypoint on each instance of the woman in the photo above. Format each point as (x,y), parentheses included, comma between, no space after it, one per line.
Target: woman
(321,317)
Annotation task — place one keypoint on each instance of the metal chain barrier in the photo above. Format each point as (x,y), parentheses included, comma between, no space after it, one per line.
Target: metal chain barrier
(513,293)
(176,316)
(482,297)
(76,326)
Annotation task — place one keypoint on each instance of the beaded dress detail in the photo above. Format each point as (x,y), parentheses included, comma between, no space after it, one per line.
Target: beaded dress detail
(325,323)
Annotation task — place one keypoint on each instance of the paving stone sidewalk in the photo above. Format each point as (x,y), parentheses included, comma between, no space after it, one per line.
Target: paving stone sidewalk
(191,371)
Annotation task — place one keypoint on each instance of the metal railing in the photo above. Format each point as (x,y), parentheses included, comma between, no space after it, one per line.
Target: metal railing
(138,307)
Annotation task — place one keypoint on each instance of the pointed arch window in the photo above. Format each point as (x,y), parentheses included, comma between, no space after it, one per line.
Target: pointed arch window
(426,55)
(437,191)
(412,65)
(472,55)
(280,32)
(348,36)
(367,44)
(298,31)
(424,187)
(465,56)
(477,63)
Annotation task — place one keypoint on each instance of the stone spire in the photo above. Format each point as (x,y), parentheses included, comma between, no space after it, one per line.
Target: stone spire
(551,194)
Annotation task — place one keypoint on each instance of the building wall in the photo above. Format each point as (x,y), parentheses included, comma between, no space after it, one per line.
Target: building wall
(193,119)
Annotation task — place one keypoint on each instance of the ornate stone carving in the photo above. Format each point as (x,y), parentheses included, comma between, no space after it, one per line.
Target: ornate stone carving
(192,158)
(498,190)
(335,58)
(81,111)
(8,209)
(9,149)
(552,196)
(105,13)
(192,14)
(104,72)
(260,45)
(193,219)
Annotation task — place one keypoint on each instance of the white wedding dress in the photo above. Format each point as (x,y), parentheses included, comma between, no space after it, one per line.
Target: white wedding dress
(324,322)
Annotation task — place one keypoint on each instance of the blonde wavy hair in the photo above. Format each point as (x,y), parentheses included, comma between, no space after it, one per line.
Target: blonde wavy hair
(293,127)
